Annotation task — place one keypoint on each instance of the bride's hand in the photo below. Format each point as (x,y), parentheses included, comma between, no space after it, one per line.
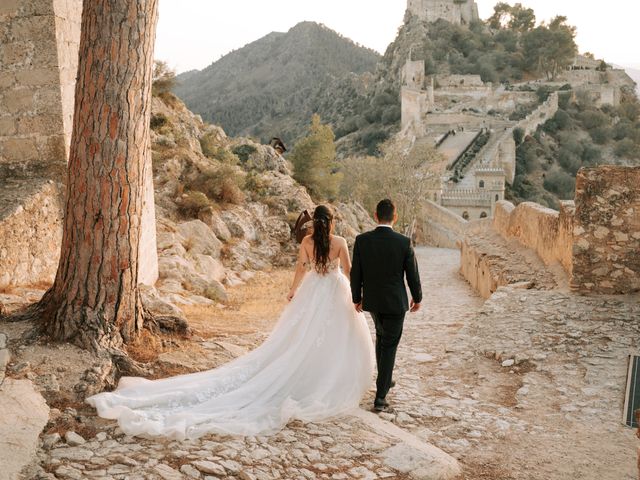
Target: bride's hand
(291,295)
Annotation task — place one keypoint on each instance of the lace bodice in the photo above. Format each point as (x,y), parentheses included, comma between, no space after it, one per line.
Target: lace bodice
(332,266)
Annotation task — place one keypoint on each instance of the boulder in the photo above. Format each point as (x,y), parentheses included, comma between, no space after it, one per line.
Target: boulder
(214,221)
(157,306)
(23,415)
(421,464)
(240,223)
(199,238)
(208,267)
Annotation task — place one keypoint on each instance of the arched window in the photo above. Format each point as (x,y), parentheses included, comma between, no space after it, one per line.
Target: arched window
(483,215)
(481,183)
(497,197)
(465,215)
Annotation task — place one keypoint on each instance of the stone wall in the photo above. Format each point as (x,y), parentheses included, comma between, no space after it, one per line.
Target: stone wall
(547,232)
(606,252)
(32,121)
(413,74)
(30,232)
(459,81)
(39,42)
(414,108)
(442,227)
(455,12)
(540,115)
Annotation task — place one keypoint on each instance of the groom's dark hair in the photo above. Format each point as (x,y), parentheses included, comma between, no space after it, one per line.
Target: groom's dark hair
(385,210)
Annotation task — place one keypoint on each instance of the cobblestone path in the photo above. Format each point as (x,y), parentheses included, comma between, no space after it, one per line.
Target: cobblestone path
(524,386)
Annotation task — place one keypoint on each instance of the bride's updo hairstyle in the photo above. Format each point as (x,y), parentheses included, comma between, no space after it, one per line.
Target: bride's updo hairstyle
(322,219)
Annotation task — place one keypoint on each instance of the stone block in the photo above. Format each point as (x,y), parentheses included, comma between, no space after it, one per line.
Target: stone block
(41,124)
(7,126)
(18,149)
(38,77)
(19,100)
(16,54)
(23,415)
(9,7)
(35,26)
(7,80)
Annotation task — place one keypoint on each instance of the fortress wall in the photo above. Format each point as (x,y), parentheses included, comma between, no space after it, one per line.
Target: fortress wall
(414,106)
(582,77)
(31,115)
(606,248)
(30,235)
(39,42)
(547,232)
(442,227)
(540,115)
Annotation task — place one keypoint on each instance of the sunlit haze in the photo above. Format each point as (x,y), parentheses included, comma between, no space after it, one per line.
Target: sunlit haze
(195,33)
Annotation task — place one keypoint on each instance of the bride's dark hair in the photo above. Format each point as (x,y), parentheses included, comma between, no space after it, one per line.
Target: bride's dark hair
(322,218)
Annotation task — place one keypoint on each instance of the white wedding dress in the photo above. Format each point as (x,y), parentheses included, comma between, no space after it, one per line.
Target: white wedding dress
(317,363)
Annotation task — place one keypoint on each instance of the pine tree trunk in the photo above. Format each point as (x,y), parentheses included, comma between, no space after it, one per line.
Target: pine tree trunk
(94,301)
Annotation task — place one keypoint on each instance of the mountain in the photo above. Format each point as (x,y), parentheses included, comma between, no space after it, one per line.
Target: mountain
(271,87)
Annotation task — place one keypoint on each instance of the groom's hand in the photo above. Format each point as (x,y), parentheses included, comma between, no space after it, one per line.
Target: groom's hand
(358,307)
(414,307)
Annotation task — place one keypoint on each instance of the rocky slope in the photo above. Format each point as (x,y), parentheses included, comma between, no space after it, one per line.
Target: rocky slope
(224,206)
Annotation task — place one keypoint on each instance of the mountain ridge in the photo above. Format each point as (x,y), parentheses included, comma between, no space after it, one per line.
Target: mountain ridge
(249,95)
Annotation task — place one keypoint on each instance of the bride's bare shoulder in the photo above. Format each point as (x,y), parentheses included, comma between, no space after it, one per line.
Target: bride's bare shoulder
(339,240)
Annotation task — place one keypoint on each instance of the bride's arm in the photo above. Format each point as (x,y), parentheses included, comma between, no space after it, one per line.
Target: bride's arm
(303,258)
(345,261)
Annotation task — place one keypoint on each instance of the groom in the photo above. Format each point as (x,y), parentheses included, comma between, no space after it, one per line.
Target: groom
(381,259)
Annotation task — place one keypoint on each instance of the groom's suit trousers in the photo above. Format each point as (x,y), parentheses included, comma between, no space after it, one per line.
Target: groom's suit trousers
(388,333)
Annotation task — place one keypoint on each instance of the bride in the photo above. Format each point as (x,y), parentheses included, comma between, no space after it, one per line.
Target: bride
(316,364)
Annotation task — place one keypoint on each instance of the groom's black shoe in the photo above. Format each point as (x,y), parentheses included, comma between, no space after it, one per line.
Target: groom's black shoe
(380,405)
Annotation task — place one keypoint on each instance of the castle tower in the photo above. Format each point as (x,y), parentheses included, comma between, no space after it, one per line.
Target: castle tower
(490,182)
(459,12)
(38,68)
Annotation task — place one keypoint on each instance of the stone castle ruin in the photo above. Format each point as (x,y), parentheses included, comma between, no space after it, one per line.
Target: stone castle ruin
(38,67)
(459,12)
(468,120)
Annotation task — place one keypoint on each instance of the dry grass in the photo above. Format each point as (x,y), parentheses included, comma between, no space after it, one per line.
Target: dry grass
(146,348)
(252,307)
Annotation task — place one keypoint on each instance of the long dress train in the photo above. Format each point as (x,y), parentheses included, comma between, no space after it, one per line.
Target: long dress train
(317,363)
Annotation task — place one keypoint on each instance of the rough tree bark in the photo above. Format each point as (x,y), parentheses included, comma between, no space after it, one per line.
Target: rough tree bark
(94,301)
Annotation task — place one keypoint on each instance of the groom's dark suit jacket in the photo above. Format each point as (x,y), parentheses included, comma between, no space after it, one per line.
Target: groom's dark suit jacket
(381,259)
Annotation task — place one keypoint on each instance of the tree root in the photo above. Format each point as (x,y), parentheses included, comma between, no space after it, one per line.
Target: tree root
(30,313)
(168,325)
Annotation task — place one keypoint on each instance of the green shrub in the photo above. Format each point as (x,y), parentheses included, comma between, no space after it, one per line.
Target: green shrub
(592,119)
(191,202)
(625,148)
(518,135)
(569,161)
(158,121)
(257,185)
(600,135)
(391,115)
(243,152)
(560,183)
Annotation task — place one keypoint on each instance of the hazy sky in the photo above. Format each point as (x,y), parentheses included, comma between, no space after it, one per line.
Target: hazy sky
(195,33)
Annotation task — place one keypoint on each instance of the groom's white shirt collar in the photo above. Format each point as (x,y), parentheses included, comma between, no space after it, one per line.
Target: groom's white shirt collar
(385,225)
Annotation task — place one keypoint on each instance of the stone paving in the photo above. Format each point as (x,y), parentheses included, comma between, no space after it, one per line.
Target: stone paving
(525,386)
(529,385)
